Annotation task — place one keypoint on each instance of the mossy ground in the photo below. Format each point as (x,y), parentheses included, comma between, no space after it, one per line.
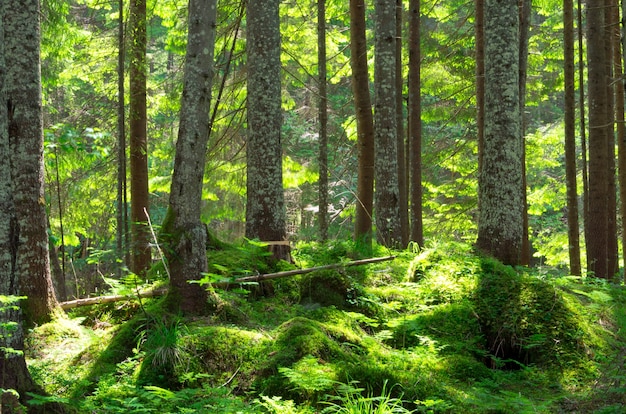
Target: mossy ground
(442,330)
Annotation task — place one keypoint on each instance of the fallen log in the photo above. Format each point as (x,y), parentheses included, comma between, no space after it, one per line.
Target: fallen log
(246,279)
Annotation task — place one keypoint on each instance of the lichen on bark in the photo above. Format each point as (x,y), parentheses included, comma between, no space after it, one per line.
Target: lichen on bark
(500,224)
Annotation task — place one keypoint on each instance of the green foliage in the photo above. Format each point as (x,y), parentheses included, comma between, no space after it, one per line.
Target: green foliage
(352,401)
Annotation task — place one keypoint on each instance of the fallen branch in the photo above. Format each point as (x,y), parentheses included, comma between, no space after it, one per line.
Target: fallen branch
(268,276)
(246,279)
(108,299)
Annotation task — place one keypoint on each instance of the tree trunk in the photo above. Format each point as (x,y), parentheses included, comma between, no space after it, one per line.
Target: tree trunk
(121,215)
(14,373)
(597,222)
(479,29)
(403,200)
(500,225)
(415,123)
(323,118)
(140,261)
(582,109)
(364,124)
(386,193)
(25,126)
(570,138)
(185,233)
(612,24)
(265,207)
(621,131)
(525,8)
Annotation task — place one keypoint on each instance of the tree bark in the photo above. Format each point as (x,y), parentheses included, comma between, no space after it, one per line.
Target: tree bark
(386,195)
(364,125)
(500,224)
(25,126)
(415,123)
(403,200)
(323,119)
(18,20)
(121,215)
(525,9)
(597,222)
(183,230)
(265,207)
(612,23)
(140,261)
(570,138)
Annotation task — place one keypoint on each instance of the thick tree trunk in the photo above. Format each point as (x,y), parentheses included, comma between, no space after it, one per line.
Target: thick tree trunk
(364,124)
(386,195)
(597,222)
(14,373)
(265,207)
(500,225)
(140,251)
(570,139)
(185,233)
(415,123)
(25,126)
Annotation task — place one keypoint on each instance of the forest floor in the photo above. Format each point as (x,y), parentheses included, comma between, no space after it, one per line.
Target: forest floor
(442,330)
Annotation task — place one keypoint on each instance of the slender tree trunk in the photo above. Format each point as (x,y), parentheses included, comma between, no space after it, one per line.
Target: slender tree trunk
(403,200)
(598,220)
(184,231)
(415,123)
(621,131)
(121,143)
(479,29)
(365,124)
(500,225)
(25,126)
(525,8)
(570,138)
(138,140)
(583,126)
(323,118)
(386,194)
(612,24)
(265,208)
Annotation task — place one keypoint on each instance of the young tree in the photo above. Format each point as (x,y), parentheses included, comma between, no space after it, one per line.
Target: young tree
(25,129)
(415,123)
(265,206)
(598,220)
(500,224)
(140,251)
(186,235)
(364,124)
(323,119)
(386,194)
(570,138)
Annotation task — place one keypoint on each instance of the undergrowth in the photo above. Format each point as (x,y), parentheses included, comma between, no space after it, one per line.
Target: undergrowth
(441,330)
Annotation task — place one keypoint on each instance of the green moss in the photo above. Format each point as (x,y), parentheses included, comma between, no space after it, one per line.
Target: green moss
(525,319)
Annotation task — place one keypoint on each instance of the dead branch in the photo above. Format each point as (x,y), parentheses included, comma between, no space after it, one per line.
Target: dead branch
(247,279)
